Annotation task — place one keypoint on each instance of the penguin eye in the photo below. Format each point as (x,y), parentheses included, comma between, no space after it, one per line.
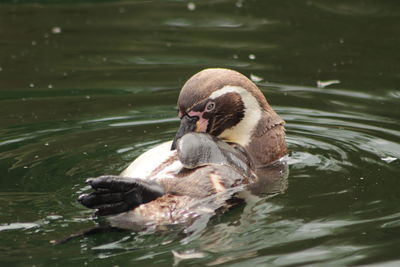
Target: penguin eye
(210,106)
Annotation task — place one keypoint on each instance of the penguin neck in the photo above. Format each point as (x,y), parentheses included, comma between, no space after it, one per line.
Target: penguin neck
(267,142)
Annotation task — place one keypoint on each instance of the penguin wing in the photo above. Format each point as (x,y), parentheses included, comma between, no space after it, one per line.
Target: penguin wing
(200,149)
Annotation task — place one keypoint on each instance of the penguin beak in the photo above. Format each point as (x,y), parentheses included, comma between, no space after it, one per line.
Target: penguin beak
(188,124)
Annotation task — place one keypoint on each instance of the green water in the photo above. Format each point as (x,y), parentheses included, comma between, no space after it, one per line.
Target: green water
(87,86)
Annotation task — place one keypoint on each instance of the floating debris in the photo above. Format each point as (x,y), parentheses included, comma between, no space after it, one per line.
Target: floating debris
(323,84)
(252,56)
(31,85)
(256,78)
(56,30)
(389,159)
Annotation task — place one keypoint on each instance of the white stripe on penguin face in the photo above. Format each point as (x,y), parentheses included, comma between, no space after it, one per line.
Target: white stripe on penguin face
(241,132)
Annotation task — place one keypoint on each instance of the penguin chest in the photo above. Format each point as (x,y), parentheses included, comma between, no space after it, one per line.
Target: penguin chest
(155,163)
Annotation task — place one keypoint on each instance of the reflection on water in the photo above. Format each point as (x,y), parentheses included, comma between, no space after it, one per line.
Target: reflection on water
(371,8)
(87,87)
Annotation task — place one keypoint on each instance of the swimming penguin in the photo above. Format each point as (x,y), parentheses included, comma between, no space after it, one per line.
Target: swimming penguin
(230,140)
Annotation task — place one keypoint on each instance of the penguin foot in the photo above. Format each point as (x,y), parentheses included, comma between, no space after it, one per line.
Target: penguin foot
(116,194)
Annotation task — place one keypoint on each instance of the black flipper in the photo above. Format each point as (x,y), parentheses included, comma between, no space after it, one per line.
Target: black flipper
(199,149)
(116,194)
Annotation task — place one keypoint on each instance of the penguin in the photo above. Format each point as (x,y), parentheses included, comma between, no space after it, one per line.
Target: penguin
(229,141)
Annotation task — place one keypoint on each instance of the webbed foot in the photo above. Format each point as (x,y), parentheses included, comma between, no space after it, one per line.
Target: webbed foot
(116,194)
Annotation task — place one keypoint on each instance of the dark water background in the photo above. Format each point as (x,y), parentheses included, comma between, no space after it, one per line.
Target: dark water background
(86,86)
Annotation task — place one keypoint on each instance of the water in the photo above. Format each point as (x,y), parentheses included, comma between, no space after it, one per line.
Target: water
(86,87)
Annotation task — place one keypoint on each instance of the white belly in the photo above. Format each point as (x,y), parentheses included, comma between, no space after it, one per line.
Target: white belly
(148,163)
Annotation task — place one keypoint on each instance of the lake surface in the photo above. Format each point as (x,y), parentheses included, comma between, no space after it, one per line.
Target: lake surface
(87,86)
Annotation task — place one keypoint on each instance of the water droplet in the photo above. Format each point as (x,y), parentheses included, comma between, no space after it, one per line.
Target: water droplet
(252,56)
(56,30)
(191,6)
